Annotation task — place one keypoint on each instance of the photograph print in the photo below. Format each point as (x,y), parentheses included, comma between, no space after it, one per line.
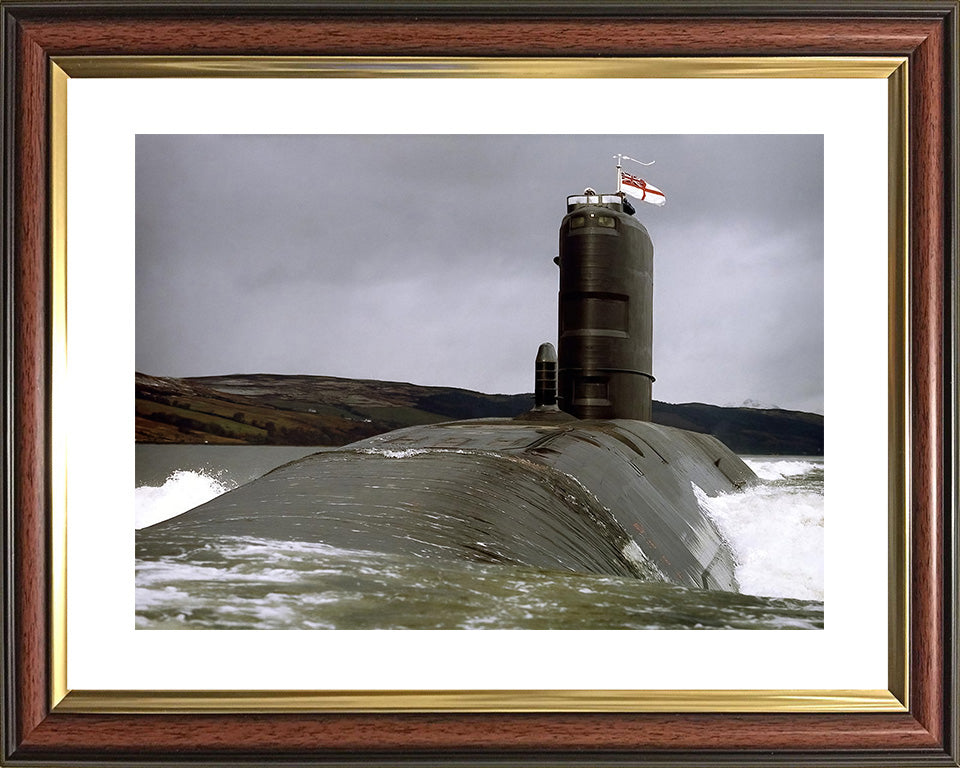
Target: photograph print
(479,381)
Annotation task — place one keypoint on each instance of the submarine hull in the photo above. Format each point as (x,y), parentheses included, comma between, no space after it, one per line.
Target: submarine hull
(615,497)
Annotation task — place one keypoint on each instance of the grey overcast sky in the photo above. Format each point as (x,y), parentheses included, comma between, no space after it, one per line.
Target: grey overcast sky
(429,259)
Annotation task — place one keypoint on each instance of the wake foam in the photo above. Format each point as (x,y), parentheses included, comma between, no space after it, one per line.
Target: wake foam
(777,538)
(778,469)
(181,491)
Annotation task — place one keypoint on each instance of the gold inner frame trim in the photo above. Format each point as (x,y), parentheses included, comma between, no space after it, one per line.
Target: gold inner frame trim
(893,69)
(231,702)
(427,66)
(58,370)
(898,383)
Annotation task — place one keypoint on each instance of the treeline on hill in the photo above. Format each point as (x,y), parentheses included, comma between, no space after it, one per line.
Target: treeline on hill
(268,409)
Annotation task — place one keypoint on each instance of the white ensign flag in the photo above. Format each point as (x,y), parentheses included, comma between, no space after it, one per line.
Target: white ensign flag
(637,187)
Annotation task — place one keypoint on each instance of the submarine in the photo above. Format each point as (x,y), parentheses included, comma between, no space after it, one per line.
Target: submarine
(583,482)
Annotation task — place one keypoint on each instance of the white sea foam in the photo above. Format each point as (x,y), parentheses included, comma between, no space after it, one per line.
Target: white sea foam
(405,454)
(408,452)
(274,550)
(181,491)
(777,469)
(646,566)
(777,536)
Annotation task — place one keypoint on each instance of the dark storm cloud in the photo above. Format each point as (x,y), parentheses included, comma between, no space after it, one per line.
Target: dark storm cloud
(429,258)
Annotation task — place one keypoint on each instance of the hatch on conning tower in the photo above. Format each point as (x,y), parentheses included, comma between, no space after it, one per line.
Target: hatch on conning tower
(605,333)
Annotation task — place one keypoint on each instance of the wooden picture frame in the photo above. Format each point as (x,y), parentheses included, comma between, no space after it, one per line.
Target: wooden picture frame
(39,730)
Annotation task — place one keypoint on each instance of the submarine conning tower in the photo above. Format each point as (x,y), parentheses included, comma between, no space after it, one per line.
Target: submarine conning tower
(605,358)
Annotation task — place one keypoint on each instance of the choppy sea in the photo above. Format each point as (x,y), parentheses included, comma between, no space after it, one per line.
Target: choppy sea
(775,529)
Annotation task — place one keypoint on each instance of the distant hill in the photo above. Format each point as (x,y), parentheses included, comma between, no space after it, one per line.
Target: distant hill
(748,430)
(268,409)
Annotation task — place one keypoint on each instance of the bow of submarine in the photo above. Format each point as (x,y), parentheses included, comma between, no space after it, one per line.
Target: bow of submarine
(596,496)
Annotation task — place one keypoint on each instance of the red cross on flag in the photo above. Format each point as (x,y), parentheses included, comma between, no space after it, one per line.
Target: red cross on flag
(637,187)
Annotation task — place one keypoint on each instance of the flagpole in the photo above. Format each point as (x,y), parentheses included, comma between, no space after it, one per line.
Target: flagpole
(619,175)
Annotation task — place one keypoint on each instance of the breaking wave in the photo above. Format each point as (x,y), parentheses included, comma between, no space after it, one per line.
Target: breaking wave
(182,490)
(775,529)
